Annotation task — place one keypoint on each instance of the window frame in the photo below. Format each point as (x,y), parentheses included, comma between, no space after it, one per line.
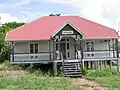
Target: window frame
(34,47)
(90,46)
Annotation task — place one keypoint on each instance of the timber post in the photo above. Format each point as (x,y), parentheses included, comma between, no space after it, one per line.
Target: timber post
(118,65)
(110,64)
(54,62)
(95,65)
(12,52)
(117,54)
(55,67)
(100,63)
(50,49)
(82,58)
(105,64)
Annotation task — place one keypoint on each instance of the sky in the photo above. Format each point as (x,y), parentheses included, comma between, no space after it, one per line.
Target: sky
(106,12)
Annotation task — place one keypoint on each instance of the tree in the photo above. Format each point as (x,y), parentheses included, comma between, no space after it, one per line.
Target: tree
(4,45)
(9,26)
(54,14)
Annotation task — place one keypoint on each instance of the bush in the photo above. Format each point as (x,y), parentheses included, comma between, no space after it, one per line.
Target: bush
(83,71)
(38,72)
(6,65)
(101,73)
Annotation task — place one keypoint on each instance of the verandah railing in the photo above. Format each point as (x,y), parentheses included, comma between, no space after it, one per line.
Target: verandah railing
(100,54)
(47,56)
(22,57)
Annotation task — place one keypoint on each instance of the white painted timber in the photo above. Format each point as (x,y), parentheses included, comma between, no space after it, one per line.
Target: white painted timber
(31,57)
(23,47)
(99,54)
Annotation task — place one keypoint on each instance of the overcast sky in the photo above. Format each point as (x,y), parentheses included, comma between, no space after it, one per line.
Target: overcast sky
(106,12)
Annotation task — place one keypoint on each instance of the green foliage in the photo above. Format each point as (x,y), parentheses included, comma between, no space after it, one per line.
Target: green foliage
(32,82)
(84,71)
(101,73)
(9,26)
(38,71)
(54,14)
(8,66)
(34,79)
(4,45)
(106,78)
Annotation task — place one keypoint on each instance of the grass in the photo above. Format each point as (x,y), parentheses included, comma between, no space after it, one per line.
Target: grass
(35,80)
(34,83)
(106,78)
(7,66)
(39,80)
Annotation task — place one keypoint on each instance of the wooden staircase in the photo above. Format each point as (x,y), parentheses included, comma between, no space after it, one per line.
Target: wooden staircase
(71,68)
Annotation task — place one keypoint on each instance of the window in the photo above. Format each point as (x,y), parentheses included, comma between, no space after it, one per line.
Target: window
(36,48)
(56,46)
(68,46)
(68,54)
(90,46)
(33,48)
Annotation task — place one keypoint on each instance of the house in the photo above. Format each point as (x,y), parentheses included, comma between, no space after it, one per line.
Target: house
(63,39)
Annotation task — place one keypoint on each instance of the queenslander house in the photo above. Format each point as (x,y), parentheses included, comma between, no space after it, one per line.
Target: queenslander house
(71,41)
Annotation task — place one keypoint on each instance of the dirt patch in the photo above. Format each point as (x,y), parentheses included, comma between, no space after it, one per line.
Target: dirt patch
(87,84)
(13,73)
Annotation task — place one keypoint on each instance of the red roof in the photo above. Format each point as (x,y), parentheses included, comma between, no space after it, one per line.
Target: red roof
(44,27)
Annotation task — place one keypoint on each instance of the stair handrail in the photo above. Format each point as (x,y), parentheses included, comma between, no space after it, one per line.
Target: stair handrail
(79,54)
(61,55)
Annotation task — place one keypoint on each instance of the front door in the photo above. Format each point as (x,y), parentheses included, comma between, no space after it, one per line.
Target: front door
(65,48)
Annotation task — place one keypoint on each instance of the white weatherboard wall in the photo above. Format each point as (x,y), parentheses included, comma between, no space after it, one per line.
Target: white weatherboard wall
(101,48)
(21,47)
(24,47)
(98,44)
(101,45)
(43,46)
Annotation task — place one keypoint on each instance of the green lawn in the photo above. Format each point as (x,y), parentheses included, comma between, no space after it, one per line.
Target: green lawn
(33,80)
(34,83)
(112,82)
(105,78)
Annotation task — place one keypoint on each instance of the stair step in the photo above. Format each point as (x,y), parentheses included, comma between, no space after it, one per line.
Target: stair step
(72,62)
(73,75)
(69,66)
(71,70)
